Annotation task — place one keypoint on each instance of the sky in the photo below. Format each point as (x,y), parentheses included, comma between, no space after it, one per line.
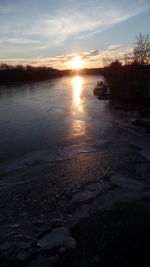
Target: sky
(52,32)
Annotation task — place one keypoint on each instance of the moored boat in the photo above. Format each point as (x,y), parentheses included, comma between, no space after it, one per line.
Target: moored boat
(101,90)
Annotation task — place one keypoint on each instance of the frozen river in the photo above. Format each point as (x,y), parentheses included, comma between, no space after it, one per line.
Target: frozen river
(53,119)
(56,118)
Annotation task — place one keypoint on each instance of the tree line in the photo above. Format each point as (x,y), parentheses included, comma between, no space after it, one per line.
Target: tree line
(10,73)
(130,82)
(26,73)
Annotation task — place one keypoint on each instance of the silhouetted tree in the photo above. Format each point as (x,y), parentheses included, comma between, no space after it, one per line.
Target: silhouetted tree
(115,65)
(142,49)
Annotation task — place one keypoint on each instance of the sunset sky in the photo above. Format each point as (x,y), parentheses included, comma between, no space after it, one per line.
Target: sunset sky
(51,33)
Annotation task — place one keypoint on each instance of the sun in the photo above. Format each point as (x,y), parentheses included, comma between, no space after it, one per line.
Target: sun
(76,63)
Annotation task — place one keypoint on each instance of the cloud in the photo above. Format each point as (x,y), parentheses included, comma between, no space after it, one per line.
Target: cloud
(60,27)
(54,27)
(109,19)
(93,53)
(93,58)
(114,47)
(10,40)
(82,24)
(74,20)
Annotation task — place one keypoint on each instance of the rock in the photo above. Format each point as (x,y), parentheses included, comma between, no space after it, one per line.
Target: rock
(126,182)
(84,196)
(59,237)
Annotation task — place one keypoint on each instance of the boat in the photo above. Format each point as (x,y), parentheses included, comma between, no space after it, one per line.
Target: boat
(101,90)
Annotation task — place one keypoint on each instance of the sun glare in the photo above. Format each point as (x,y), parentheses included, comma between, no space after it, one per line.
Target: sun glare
(77,86)
(76,63)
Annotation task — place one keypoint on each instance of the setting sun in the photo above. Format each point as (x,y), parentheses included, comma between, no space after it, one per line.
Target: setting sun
(76,63)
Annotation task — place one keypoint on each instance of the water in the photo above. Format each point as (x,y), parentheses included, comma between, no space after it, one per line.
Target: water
(53,119)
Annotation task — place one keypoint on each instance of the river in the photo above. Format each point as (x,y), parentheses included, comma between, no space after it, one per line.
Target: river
(56,119)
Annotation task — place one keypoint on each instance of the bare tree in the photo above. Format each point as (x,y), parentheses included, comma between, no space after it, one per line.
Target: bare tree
(107,61)
(141,49)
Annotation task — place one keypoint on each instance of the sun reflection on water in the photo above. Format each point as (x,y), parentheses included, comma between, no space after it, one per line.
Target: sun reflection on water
(78,126)
(77,89)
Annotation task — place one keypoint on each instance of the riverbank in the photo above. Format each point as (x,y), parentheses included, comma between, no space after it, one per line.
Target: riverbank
(129,84)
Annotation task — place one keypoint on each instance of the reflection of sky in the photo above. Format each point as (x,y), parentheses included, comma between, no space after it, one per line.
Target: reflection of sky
(42,32)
